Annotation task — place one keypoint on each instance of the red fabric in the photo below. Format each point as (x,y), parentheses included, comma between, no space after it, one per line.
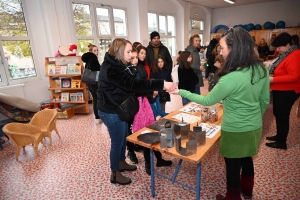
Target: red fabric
(247,183)
(233,194)
(144,116)
(147,68)
(287,73)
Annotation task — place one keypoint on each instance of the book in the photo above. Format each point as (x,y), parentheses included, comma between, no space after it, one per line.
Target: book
(57,69)
(73,96)
(63,69)
(76,83)
(74,69)
(79,96)
(51,69)
(65,96)
(57,83)
(65,82)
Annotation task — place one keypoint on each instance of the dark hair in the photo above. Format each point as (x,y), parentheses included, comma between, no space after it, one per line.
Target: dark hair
(262,45)
(155,69)
(183,63)
(133,50)
(220,59)
(139,48)
(282,40)
(295,39)
(136,44)
(215,52)
(179,52)
(241,54)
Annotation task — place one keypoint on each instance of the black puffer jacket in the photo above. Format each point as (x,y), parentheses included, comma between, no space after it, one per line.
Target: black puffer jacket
(163,51)
(141,70)
(115,80)
(91,61)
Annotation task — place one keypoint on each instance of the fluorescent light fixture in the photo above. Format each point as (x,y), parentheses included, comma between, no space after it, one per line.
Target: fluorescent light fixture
(230,1)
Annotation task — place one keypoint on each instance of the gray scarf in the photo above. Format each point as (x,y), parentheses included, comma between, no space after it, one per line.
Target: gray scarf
(281,57)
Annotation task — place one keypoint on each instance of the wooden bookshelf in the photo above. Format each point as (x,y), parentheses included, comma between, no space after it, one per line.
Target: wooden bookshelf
(55,78)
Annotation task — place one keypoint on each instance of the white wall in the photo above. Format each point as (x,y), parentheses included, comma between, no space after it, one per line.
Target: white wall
(287,10)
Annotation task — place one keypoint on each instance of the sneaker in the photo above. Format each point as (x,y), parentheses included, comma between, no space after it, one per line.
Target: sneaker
(211,82)
(98,121)
(132,157)
(163,162)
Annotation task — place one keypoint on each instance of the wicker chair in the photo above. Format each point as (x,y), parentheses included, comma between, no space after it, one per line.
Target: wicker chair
(22,135)
(46,121)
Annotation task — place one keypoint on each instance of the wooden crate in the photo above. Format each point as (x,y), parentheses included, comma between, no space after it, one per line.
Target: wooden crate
(66,114)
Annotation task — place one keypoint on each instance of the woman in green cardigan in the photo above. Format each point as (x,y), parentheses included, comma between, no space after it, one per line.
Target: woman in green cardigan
(244,88)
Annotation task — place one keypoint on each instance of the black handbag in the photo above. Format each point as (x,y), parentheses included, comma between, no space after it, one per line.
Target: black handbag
(89,76)
(128,108)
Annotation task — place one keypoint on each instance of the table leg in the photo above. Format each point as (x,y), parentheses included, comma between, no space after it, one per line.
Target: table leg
(198,181)
(176,171)
(152,173)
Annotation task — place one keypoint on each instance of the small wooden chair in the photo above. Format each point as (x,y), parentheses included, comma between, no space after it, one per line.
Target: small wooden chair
(46,121)
(23,134)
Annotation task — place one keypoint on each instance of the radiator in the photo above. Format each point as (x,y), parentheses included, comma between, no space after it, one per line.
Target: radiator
(14,90)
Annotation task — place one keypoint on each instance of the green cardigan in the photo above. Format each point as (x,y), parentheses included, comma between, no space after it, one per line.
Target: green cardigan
(244,105)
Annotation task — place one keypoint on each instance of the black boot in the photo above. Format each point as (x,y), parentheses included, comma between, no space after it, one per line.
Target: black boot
(131,155)
(162,162)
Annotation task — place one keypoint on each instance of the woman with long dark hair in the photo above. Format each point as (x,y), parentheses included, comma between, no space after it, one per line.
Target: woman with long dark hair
(244,88)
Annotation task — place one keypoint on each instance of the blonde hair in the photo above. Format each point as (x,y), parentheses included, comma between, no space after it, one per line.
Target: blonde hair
(91,46)
(192,39)
(117,49)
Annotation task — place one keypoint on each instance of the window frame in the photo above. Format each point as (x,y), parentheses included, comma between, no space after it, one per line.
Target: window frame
(96,36)
(165,36)
(4,66)
(194,31)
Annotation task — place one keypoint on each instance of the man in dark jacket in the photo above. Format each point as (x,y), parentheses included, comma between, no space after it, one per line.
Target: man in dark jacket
(156,48)
(210,48)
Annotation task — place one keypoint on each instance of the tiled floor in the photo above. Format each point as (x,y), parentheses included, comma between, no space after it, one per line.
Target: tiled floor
(77,167)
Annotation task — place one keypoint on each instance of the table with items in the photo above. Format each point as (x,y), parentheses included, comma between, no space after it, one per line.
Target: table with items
(187,134)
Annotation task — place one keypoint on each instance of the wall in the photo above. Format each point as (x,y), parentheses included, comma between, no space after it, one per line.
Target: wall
(287,10)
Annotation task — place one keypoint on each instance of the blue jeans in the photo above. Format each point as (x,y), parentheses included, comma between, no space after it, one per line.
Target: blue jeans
(185,101)
(118,131)
(197,90)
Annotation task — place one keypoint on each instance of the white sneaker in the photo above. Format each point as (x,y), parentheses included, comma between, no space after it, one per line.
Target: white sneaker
(98,121)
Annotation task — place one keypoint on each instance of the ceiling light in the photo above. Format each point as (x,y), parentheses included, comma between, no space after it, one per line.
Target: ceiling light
(230,1)
(196,13)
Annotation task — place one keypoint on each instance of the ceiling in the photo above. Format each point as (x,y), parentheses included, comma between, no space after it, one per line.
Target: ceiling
(223,4)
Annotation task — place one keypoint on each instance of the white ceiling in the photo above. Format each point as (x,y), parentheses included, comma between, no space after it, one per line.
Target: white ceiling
(223,4)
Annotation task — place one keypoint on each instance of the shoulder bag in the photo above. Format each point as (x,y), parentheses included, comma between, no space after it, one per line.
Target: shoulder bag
(89,76)
(128,108)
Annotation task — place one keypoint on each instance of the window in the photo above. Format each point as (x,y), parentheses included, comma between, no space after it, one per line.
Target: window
(98,25)
(166,24)
(196,27)
(16,56)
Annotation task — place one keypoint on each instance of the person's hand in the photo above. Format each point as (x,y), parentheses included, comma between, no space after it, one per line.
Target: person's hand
(169,86)
(155,93)
(202,67)
(271,78)
(176,91)
(158,118)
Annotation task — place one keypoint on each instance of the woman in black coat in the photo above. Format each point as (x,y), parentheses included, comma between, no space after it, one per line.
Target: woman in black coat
(91,62)
(117,82)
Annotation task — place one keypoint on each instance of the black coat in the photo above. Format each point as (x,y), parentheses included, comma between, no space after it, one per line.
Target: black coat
(187,79)
(116,80)
(91,61)
(142,71)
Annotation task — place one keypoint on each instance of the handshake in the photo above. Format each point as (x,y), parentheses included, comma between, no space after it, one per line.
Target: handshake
(171,88)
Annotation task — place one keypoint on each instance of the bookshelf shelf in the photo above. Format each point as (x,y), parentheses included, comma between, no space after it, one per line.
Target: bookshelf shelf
(64,75)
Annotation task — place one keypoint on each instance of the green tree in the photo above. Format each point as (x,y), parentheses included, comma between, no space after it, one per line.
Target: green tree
(13,24)
(82,19)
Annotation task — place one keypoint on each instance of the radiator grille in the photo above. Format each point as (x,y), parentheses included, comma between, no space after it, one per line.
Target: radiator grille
(14,90)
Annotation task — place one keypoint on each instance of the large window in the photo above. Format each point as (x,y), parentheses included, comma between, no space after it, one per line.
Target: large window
(197,27)
(98,25)
(15,44)
(165,25)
